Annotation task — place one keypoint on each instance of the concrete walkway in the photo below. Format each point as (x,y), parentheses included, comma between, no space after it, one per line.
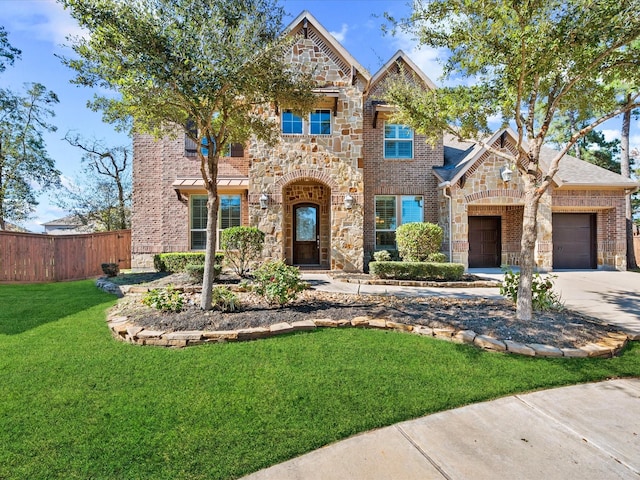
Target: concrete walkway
(587,431)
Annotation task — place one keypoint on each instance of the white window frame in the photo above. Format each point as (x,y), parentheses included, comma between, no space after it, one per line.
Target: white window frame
(395,139)
(219,229)
(398,200)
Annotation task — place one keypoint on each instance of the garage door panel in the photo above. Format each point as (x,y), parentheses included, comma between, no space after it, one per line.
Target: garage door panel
(574,241)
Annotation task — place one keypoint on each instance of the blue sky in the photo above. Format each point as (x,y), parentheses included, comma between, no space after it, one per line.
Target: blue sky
(39,29)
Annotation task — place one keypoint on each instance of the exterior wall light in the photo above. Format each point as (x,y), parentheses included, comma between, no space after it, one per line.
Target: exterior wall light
(264,201)
(348,201)
(506,173)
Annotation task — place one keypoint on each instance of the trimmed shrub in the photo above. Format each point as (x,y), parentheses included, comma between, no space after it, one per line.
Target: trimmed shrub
(449,272)
(178,261)
(382,256)
(417,240)
(242,246)
(277,282)
(438,258)
(110,269)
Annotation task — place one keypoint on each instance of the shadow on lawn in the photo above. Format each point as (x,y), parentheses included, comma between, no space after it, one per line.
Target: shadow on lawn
(29,306)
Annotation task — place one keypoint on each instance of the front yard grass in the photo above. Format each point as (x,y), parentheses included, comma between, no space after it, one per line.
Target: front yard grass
(74,403)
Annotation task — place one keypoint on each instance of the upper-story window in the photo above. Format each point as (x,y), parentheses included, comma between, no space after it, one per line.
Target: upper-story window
(318,123)
(398,141)
(291,123)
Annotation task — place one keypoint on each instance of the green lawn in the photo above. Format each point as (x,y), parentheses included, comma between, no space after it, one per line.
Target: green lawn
(74,403)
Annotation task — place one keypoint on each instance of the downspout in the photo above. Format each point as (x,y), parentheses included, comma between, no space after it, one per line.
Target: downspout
(447,185)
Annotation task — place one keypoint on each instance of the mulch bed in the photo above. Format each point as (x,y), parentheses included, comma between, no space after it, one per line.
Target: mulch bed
(496,318)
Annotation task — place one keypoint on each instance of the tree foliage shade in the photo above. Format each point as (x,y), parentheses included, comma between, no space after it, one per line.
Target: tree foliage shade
(525,63)
(206,69)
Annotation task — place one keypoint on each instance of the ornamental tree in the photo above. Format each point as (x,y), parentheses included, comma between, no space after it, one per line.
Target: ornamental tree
(523,62)
(206,69)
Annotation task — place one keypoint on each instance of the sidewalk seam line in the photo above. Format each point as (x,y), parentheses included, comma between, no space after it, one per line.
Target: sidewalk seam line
(588,441)
(423,453)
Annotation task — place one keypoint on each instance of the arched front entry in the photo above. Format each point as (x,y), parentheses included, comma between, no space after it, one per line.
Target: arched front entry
(307,224)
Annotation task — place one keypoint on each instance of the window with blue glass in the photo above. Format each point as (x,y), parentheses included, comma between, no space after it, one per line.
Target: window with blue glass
(320,122)
(291,123)
(398,141)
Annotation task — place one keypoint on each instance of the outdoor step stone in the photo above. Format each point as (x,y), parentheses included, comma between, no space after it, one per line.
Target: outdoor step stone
(423,331)
(545,350)
(280,328)
(399,326)
(304,325)
(253,333)
(184,335)
(325,322)
(464,336)
(574,352)
(519,348)
(150,334)
(360,321)
(220,335)
(378,323)
(489,343)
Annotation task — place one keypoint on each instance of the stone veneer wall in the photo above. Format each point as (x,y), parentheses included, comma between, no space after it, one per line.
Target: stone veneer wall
(324,168)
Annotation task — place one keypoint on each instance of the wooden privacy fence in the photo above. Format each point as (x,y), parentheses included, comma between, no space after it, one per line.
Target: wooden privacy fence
(31,257)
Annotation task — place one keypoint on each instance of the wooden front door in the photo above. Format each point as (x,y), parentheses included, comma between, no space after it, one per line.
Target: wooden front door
(484,242)
(306,237)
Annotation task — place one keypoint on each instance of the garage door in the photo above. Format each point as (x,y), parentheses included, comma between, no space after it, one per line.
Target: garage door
(574,241)
(484,242)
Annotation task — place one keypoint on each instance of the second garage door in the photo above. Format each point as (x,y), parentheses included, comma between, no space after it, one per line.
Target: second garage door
(574,241)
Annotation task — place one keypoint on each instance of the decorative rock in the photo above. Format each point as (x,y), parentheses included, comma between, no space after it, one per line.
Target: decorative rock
(253,333)
(519,348)
(360,321)
(444,333)
(121,328)
(186,335)
(545,350)
(489,343)
(304,325)
(138,289)
(618,336)
(464,336)
(118,319)
(325,322)
(400,326)
(344,323)
(574,353)
(595,350)
(378,323)
(133,331)
(220,336)
(150,334)
(280,328)
(157,342)
(423,331)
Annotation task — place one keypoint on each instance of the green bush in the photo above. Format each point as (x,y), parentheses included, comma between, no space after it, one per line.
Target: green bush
(165,300)
(543,298)
(242,246)
(417,240)
(382,256)
(277,282)
(196,272)
(417,270)
(178,261)
(224,299)
(438,257)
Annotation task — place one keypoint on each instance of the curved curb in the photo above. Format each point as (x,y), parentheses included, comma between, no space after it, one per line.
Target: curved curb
(422,283)
(125,330)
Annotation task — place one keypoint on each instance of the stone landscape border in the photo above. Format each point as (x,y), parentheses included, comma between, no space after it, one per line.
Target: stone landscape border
(125,330)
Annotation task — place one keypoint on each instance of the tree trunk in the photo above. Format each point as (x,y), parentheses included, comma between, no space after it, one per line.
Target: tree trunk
(524,304)
(625,170)
(210,252)
(122,214)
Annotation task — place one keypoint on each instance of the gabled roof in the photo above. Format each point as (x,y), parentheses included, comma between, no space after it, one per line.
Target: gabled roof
(400,56)
(305,16)
(460,156)
(68,221)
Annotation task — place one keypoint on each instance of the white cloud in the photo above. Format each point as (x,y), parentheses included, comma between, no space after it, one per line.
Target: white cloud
(611,134)
(45,20)
(342,34)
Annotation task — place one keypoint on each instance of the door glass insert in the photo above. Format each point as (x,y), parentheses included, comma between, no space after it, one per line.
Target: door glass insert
(306,224)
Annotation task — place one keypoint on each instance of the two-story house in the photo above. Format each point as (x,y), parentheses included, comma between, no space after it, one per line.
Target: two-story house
(344,177)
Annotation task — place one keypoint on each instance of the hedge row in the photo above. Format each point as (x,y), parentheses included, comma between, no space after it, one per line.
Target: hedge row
(417,270)
(178,261)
